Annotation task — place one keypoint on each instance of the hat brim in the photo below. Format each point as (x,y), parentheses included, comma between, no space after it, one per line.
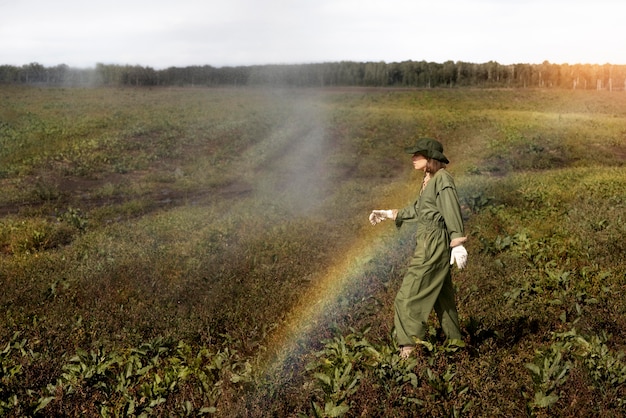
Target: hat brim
(428,154)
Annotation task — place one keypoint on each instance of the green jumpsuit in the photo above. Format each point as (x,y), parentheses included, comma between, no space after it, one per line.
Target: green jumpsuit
(428,283)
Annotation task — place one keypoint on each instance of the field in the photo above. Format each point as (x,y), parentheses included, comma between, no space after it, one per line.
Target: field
(206,251)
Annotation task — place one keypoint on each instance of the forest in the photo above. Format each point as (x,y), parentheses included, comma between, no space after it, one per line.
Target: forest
(406,74)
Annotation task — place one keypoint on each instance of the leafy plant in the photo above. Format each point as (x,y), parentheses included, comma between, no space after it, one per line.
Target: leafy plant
(140,380)
(74,217)
(606,367)
(549,371)
(338,373)
(11,368)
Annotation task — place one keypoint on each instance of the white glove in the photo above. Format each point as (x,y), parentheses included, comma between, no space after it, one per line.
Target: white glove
(459,254)
(378,216)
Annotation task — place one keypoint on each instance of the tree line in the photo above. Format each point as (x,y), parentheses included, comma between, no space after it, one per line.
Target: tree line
(410,74)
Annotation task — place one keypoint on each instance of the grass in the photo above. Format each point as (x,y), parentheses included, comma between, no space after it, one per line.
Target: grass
(206,252)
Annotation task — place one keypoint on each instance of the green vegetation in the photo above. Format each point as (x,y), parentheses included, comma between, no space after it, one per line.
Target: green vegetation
(195,251)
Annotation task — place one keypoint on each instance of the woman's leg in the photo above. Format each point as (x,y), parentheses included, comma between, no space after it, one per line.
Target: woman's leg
(414,303)
(445,307)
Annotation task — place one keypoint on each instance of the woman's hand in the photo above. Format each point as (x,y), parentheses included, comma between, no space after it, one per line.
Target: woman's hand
(378,216)
(459,254)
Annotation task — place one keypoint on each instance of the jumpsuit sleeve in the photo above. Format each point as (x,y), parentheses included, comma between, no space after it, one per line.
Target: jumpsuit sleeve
(450,209)
(406,214)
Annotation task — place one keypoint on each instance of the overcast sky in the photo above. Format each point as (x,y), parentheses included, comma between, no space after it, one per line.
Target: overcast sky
(160,34)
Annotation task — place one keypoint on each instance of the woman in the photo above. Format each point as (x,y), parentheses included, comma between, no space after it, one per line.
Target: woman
(440,237)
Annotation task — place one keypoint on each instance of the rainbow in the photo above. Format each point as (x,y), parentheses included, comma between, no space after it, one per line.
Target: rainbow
(291,338)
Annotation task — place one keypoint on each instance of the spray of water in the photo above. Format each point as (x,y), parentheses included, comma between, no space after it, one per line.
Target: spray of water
(293,160)
(290,169)
(288,165)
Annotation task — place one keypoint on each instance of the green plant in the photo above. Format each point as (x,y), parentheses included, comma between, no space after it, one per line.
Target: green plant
(347,360)
(11,368)
(477,202)
(549,371)
(338,374)
(74,217)
(606,367)
(140,380)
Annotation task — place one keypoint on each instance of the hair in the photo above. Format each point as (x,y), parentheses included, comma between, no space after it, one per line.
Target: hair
(432,165)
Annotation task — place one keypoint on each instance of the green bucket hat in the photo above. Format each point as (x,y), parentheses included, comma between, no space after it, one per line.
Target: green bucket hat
(429,148)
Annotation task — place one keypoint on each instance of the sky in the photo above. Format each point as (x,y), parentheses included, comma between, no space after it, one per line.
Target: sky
(162,34)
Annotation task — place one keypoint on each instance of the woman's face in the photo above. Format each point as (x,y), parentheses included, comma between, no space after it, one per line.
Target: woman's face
(419,162)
